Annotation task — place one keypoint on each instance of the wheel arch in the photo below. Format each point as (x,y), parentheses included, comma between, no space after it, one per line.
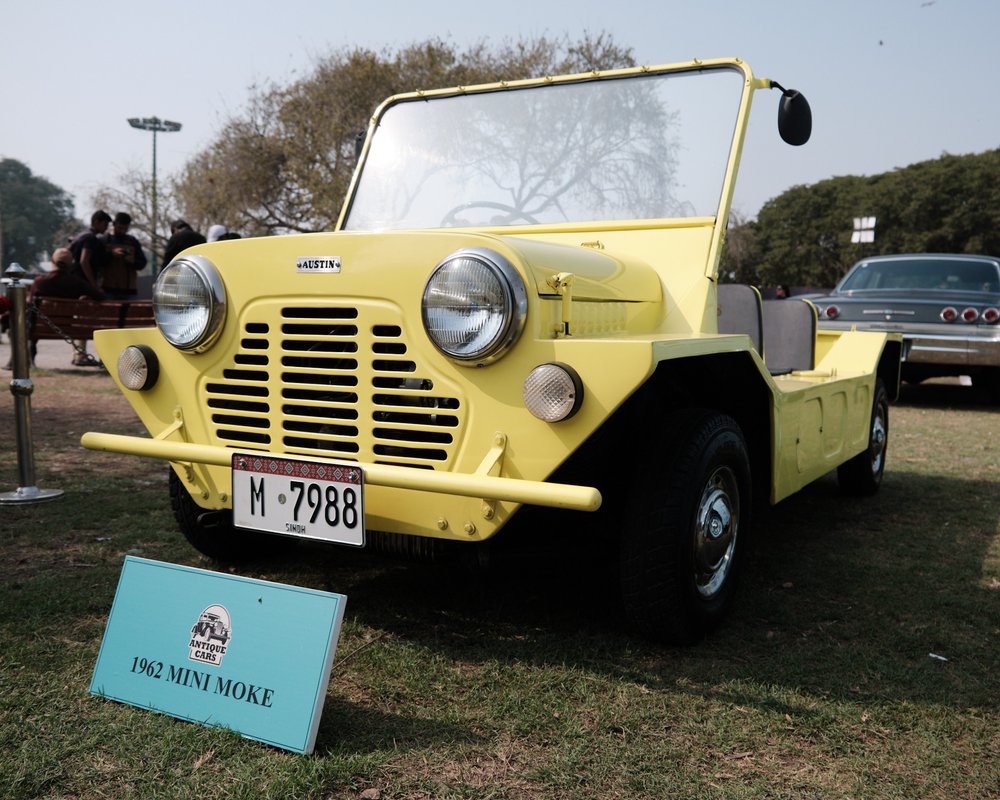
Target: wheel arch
(732,384)
(890,367)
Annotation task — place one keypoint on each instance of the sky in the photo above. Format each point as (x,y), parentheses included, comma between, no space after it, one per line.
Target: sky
(890,82)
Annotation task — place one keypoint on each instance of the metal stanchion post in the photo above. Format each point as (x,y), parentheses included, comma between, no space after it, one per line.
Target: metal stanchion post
(22,387)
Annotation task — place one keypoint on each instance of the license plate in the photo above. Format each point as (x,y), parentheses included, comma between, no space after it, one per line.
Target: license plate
(308,499)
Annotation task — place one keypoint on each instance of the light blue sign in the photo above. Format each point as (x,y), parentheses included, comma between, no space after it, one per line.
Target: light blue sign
(222,650)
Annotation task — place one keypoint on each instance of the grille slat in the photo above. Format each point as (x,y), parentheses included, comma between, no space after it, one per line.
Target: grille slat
(303,385)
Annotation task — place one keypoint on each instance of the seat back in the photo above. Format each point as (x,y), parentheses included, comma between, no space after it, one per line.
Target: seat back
(740,312)
(789,335)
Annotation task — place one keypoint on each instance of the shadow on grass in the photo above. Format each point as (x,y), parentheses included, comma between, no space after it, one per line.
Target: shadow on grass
(947,394)
(844,599)
(352,728)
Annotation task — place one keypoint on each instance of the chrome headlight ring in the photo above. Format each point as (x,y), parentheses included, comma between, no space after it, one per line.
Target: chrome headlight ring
(189,303)
(474,306)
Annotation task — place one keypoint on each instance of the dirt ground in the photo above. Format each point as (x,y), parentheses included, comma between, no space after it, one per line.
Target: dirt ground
(66,401)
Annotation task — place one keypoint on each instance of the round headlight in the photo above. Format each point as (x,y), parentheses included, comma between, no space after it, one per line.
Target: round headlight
(189,303)
(474,306)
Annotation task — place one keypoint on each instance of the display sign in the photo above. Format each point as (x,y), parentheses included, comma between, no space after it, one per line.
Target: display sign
(221,650)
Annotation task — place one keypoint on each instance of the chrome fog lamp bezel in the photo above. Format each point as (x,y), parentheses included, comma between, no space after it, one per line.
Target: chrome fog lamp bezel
(138,367)
(514,304)
(571,390)
(215,292)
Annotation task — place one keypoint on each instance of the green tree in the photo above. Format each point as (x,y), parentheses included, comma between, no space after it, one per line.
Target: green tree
(945,205)
(740,262)
(34,214)
(285,163)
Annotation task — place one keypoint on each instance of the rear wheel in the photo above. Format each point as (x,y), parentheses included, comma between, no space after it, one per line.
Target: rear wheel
(863,474)
(686,528)
(212,532)
(990,379)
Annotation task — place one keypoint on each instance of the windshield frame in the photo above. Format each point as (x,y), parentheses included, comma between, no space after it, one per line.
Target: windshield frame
(730,158)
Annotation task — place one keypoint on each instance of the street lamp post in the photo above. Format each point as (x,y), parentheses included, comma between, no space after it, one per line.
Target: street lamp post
(156,125)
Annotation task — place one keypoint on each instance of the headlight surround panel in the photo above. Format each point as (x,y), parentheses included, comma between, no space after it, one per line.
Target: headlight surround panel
(474,306)
(189,303)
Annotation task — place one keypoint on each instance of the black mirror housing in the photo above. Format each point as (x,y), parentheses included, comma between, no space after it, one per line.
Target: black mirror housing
(794,117)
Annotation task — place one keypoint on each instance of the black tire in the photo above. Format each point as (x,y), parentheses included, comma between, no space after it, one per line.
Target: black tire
(990,380)
(862,475)
(212,532)
(687,524)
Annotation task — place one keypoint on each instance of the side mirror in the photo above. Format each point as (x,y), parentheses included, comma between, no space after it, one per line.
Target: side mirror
(794,116)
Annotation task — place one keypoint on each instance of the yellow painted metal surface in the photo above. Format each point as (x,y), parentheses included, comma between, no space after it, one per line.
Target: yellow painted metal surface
(338,366)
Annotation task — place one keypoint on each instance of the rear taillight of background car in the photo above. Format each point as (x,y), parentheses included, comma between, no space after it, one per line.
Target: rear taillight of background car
(949,314)
(831,312)
(991,315)
(970,314)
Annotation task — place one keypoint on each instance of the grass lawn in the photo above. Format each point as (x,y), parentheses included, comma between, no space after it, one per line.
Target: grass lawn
(517,681)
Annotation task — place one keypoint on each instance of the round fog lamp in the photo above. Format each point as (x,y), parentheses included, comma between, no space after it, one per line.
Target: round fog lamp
(138,367)
(553,392)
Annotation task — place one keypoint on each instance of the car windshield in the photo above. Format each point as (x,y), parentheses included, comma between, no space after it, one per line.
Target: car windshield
(924,273)
(648,147)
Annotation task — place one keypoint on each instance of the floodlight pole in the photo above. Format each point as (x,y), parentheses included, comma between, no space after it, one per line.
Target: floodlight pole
(156,125)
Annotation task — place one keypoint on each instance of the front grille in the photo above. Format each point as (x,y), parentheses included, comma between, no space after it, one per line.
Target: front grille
(332,382)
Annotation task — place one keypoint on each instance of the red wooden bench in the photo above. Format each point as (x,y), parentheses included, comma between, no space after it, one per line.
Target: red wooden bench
(59,318)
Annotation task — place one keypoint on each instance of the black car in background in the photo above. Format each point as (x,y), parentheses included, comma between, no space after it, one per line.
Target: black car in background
(946,306)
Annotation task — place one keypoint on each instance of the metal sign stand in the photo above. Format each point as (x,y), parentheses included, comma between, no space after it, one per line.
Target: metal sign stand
(22,387)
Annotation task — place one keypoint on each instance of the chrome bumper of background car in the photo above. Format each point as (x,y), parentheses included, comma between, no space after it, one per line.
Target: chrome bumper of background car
(969,350)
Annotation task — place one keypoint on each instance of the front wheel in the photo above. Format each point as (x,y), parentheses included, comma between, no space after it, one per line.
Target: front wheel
(862,475)
(212,533)
(686,528)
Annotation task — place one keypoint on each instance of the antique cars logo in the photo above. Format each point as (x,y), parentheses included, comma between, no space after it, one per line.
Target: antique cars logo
(210,636)
(317,264)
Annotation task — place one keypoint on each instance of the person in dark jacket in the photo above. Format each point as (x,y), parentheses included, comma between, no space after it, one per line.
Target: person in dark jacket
(62,282)
(182,236)
(88,248)
(124,259)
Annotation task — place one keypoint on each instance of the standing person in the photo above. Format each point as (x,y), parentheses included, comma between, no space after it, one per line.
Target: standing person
(62,281)
(124,259)
(89,254)
(216,232)
(88,248)
(182,236)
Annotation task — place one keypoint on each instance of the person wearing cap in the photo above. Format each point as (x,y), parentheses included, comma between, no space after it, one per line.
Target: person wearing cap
(216,232)
(61,281)
(88,248)
(182,236)
(124,259)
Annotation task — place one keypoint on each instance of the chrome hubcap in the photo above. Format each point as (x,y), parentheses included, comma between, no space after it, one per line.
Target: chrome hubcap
(716,527)
(878,441)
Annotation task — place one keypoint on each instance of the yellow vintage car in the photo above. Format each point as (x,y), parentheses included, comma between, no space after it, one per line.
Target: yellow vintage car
(520,307)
